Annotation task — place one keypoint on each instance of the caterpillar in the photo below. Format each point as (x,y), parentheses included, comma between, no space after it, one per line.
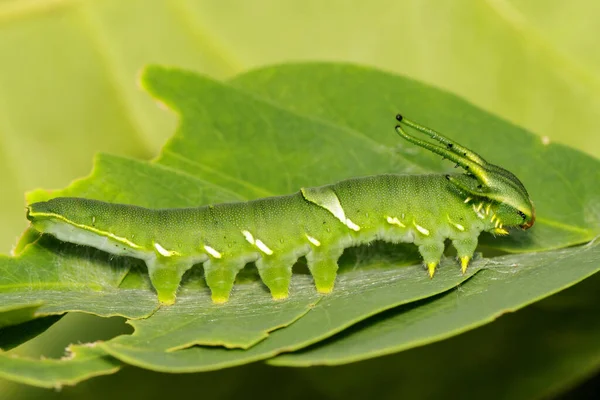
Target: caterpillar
(318,223)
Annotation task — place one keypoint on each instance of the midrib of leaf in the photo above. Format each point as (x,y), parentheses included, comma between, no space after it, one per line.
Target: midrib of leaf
(514,19)
(217,173)
(200,181)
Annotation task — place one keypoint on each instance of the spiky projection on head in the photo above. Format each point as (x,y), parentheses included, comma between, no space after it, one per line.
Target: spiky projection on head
(483,181)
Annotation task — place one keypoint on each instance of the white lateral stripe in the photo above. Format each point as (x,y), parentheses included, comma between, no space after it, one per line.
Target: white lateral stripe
(162,251)
(313,240)
(352,225)
(263,247)
(248,237)
(212,252)
(395,221)
(421,229)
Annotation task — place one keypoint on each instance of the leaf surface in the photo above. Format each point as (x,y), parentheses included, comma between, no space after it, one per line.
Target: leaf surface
(538,352)
(82,363)
(506,285)
(236,142)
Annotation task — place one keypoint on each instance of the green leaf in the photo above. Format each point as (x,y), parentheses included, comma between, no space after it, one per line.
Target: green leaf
(508,284)
(358,294)
(236,144)
(14,314)
(538,352)
(83,362)
(242,322)
(50,277)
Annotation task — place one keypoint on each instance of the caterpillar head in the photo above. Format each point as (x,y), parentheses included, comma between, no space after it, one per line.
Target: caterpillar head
(483,184)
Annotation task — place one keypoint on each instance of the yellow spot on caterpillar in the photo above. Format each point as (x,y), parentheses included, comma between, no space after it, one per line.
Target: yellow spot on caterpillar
(421,229)
(431,268)
(263,247)
(497,223)
(479,207)
(468,199)
(212,252)
(325,290)
(464,263)
(395,221)
(93,220)
(493,218)
(313,240)
(219,300)
(500,231)
(279,296)
(249,237)
(164,252)
(352,225)
(487,209)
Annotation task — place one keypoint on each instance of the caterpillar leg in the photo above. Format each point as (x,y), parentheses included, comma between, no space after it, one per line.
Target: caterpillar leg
(432,254)
(165,275)
(465,248)
(323,266)
(220,276)
(276,273)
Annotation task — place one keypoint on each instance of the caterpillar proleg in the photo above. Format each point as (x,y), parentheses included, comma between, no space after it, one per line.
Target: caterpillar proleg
(318,223)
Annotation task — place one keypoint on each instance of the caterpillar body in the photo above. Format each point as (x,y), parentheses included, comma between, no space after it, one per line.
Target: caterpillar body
(318,223)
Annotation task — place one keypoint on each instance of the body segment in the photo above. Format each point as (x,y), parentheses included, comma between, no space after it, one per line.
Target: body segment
(274,232)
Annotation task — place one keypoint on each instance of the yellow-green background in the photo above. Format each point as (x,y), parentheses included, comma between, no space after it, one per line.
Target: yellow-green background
(68,68)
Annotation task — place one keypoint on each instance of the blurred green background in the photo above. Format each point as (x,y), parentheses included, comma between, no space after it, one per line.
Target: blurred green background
(68,88)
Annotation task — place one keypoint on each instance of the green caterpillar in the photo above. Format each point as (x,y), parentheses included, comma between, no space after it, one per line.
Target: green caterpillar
(318,223)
